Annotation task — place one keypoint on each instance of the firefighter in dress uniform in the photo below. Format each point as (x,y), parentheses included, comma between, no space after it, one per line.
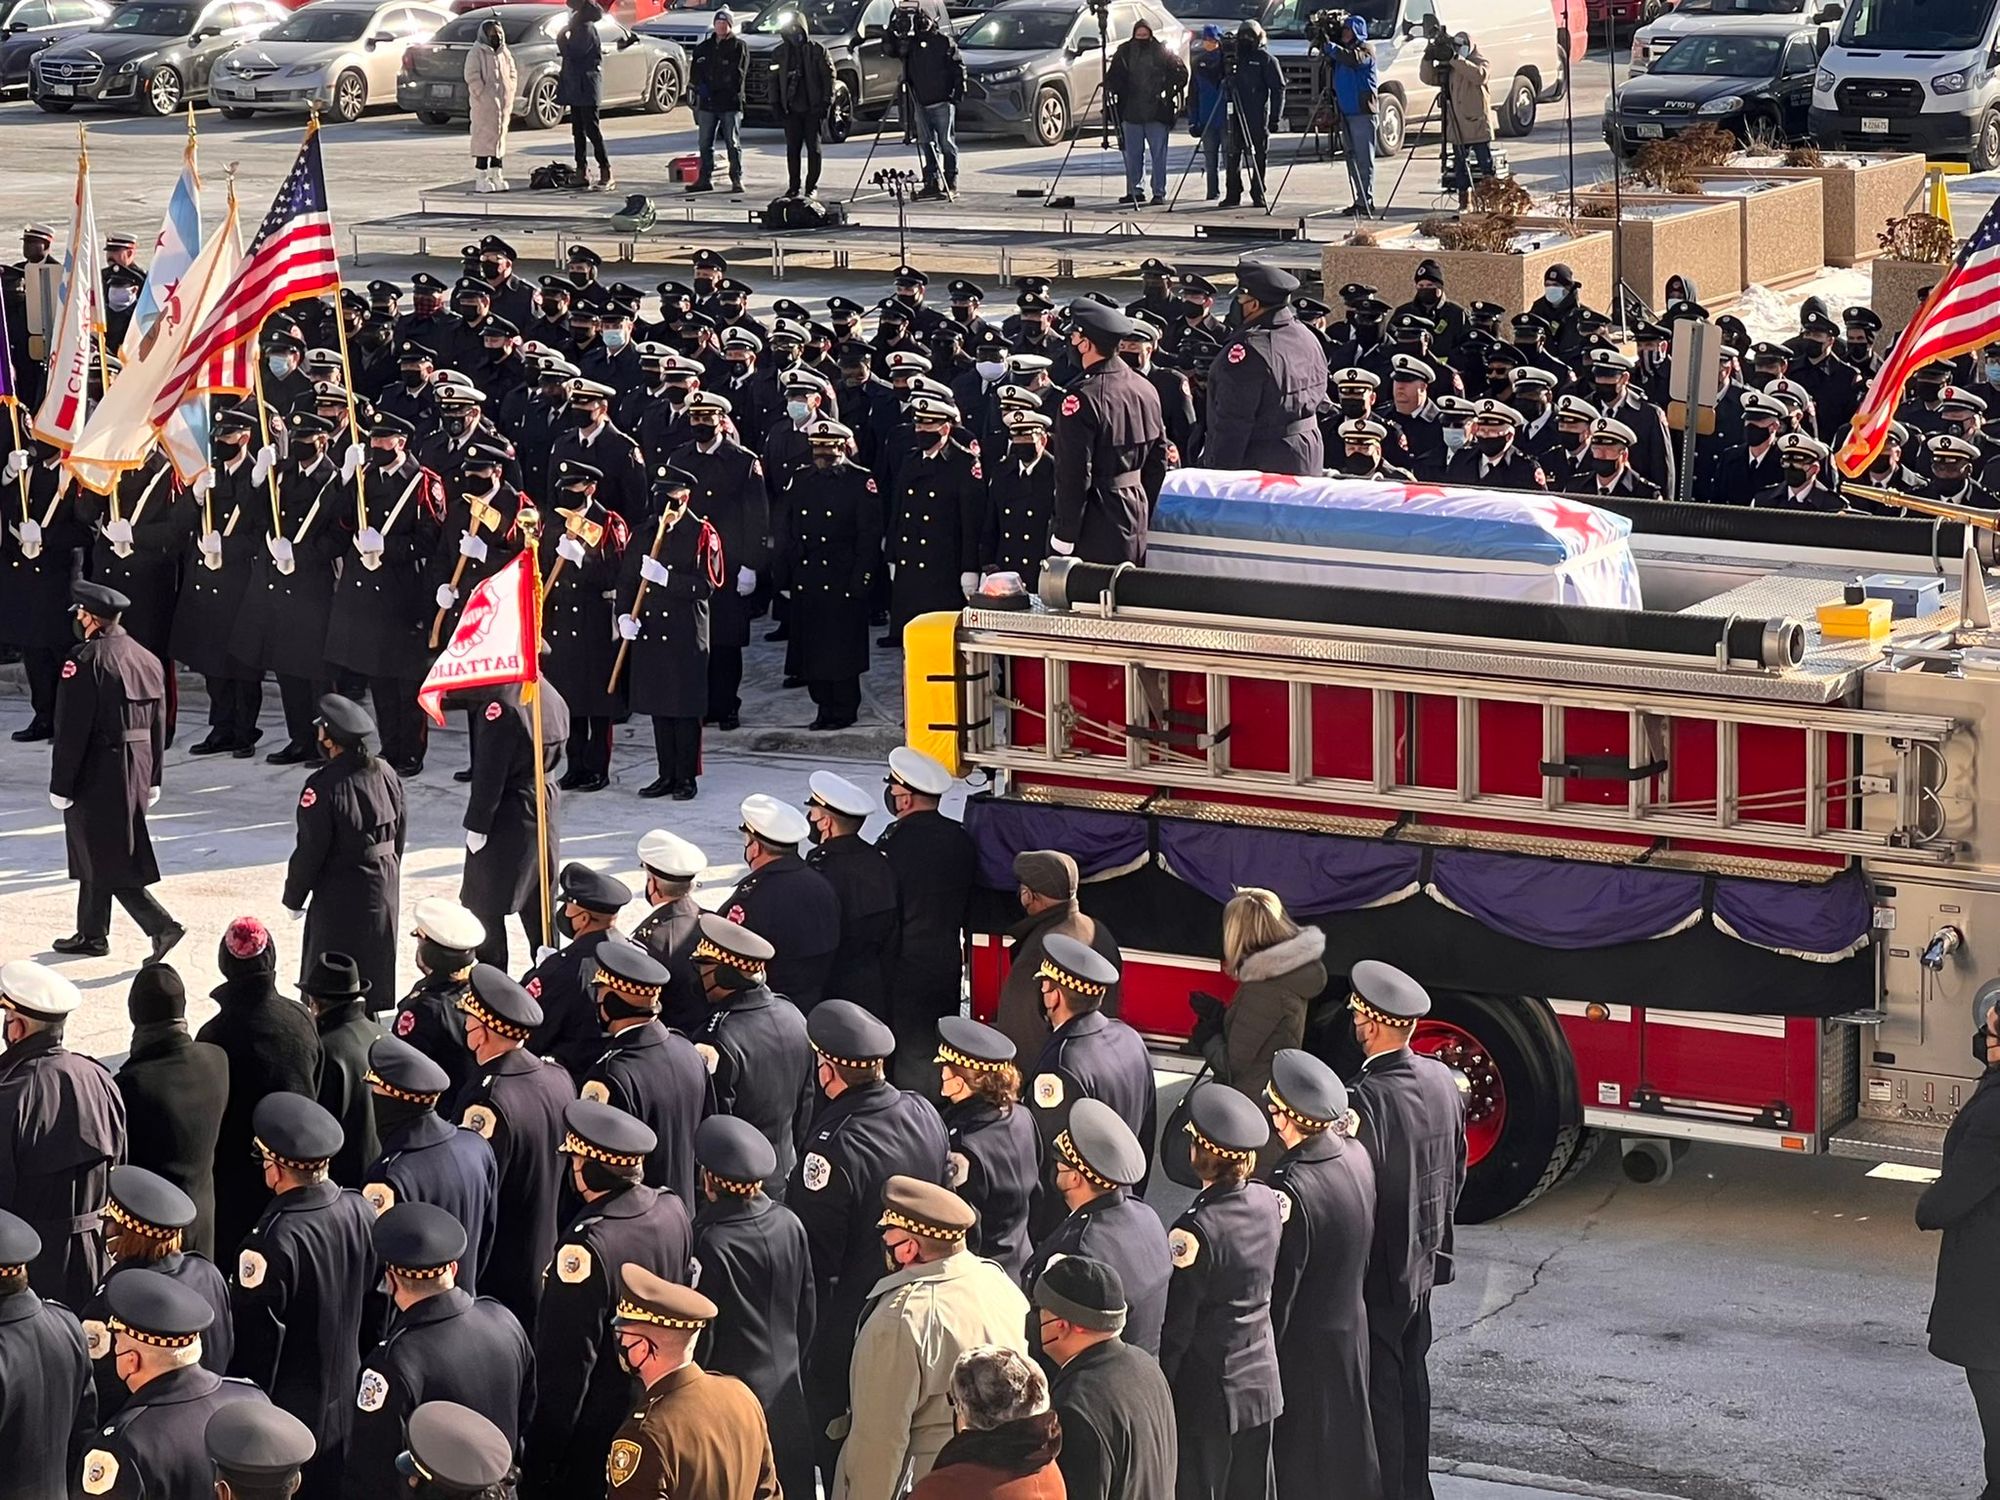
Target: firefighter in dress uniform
(729,493)
(1324,1442)
(935,864)
(37,561)
(581,577)
(785,901)
(678,557)
(583,1392)
(569,1031)
(1020,500)
(995,1156)
(750,1258)
(865,886)
(104,773)
(937,511)
(1110,446)
(1412,1124)
(223,544)
(478,536)
(448,940)
(593,442)
(828,537)
(1266,387)
(755,1044)
(502,843)
(514,1103)
(345,873)
(139,529)
(1489,459)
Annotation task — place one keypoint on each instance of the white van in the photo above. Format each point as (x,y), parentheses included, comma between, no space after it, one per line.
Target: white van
(1711,16)
(1516,37)
(1913,75)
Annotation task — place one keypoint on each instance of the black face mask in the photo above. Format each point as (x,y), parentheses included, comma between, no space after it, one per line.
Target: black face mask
(1428,296)
(1357,463)
(1979,1040)
(1950,474)
(413,380)
(1796,476)
(1366,329)
(1925,390)
(489,271)
(1602,466)
(1607,392)
(1192,309)
(1855,352)
(1354,406)
(1492,447)
(1530,407)
(581,416)
(1756,433)
(391,1115)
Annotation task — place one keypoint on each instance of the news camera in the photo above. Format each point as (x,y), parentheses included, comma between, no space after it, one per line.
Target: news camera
(1323,28)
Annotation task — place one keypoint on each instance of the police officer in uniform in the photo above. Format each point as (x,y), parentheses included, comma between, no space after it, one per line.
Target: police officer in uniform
(1088,1056)
(994,1162)
(448,938)
(580,577)
(1110,445)
(583,1392)
(697,1433)
(828,537)
(785,901)
(515,1103)
(443,1344)
(865,884)
(62,1122)
(296,1292)
(49,1408)
(154,1447)
(257,1450)
(453,1453)
(569,1030)
(671,864)
(754,1042)
(651,1073)
(750,1258)
(345,873)
(1412,1123)
(1323,1443)
(427,1159)
(104,772)
(500,832)
(1266,388)
(865,1132)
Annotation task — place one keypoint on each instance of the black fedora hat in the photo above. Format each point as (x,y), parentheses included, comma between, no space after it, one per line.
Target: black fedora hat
(333,976)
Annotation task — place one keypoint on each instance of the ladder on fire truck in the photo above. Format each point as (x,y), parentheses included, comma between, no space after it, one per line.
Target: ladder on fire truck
(1066,701)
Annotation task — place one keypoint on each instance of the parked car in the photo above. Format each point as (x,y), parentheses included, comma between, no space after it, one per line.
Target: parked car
(1624,13)
(342,55)
(152,55)
(866,79)
(682,24)
(1708,16)
(639,71)
(1754,83)
(631,12)
(1035,68)
(27,26)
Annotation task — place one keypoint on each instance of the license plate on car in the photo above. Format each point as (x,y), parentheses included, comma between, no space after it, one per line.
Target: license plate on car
(59,90)
(1649,132)
(1874,125)
(440,91)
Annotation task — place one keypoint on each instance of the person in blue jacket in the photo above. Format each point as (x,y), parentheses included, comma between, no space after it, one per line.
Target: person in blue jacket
(1207,117)
(1354,98)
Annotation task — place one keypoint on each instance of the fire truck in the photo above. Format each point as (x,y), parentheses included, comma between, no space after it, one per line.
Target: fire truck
(1690,872)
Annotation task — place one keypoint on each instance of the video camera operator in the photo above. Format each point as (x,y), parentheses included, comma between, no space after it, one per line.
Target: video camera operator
(1208,112)
(1455,67)
(934,74)
(1257,83)
(1143,89)
(1344,41)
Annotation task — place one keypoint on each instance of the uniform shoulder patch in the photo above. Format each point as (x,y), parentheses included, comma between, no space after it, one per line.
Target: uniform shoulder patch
(735,914)
(100,1471)
(871,488)
(957,1167)
(534,986)
(1284,1207)
(1048,1090)
(596,1092)
(622,1462)
(308,797)
(975,470)
(480,1120)
(96,1338)
(374,1392)
(250,1269)
(1237,353)
(708,1054)
(1071,405)
(492,712)
(1183,1248)
(815,1171)
(380,1195)
(572,1264)
(69,670)
(694,1271)
(406,1023)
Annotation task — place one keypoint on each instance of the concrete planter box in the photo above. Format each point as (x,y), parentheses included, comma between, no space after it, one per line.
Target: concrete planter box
(1662,235)
(1857,199)
(1894,285)
(1784,227)
(1511,280)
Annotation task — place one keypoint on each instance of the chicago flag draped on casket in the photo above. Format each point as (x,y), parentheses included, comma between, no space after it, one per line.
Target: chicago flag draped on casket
(1381,534)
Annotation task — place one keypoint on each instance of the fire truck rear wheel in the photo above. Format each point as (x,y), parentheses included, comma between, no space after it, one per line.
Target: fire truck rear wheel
(1523,1126)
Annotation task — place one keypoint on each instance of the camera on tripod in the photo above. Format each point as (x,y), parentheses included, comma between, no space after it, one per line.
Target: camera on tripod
(1323,28)
(1441,48)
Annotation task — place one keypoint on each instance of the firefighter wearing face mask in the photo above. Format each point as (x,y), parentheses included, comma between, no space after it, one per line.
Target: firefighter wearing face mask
(731,495)
(1607,470)
(828,524)
(865,884)
(1020,499)
(1611,389)
(1566,457)
(412,396)
(595,441)
(937,508)
(1265,388)
(1801,461)
(1361,440)
(1489,459)
(461,423)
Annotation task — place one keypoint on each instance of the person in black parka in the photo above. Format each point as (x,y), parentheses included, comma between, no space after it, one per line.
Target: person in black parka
(175,1089)
(338,997)
(580,85)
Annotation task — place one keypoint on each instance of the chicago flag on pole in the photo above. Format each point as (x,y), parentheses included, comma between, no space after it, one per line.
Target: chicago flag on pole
(60,419)
(495,642)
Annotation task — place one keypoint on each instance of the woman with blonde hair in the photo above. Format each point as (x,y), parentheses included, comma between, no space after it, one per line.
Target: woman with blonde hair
(1278,969)
(490,77)
(994,1157)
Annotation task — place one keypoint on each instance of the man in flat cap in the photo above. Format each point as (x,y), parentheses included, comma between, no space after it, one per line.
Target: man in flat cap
(937,1302)
(104,772)
(1046,883)
(1266,387)
(48,1404)
(1110,446)
(259,1451)
(1116,1409)
(345,875)
(697,1433)
(1412,1123)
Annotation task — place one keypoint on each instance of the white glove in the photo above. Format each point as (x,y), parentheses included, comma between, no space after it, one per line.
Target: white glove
(355,457)
(628,627)
(265,462)
(29,535)
(119,534)
(296,913)
(892,572)
(281,552)
(746,582)
(152,796)
(543,954)
(1060,547)
(570,550)
(968,584)
(473,547)
(368,540)
(447,596)
(209,544)
(60,804)
(474,842)
(653,571)
(203,483)
(17,463)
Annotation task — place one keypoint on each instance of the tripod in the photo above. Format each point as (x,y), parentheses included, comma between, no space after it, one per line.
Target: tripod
(1231,104)
(1321,99)
(1075,135)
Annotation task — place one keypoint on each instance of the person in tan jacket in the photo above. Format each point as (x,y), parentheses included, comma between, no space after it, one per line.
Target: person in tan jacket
(1467,101)
(1048,884)
(490,77)
(937,1302)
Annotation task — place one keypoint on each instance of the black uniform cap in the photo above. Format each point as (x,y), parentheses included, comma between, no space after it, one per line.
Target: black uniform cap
(844,307)
(1101,324)
(1383,992)
(593,890)
(1154,266)
(402,1072)
(423,281)
(1086,1292)
(972,1045)
(1227,1122)
(569,471)
(582,255)
(603,1132)
(711,260)
(347,722)
(384,291)
(1100,1145)
(98,599)
(454,1447)
(483,456)
(1864,318)
(1305,1088)
(722,941)
(560,284)
(255,1440)
(19,1244)
(842,1032)
(1077,967)
(1267,283)
(155,1309)
(410,351)
(499,1004)
(235,419)
(734,1151)
(629,971)
(1197,286)
(388,424)
(295,1131)
(418,1240)
(145,1201)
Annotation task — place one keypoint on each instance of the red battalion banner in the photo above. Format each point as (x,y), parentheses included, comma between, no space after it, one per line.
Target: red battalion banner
(495,641)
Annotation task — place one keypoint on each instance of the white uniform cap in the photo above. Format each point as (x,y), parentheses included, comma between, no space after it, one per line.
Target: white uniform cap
(37,989)
(468,394)
(670,856)
(919,772)
(448,924)
(773,821)
(840,794)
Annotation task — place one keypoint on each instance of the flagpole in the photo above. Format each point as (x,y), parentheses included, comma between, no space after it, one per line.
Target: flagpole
(346,363)
(532,533)
(14,420)
(85,267)
(264,433)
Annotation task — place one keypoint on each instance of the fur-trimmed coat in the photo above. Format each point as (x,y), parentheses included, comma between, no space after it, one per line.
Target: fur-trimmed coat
(1274,986)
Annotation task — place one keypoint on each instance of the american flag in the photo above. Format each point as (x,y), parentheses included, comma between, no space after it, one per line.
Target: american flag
(1961,314)
(291,258)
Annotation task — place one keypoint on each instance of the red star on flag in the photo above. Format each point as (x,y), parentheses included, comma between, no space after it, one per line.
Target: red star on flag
(1269,481)
(1578,521)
